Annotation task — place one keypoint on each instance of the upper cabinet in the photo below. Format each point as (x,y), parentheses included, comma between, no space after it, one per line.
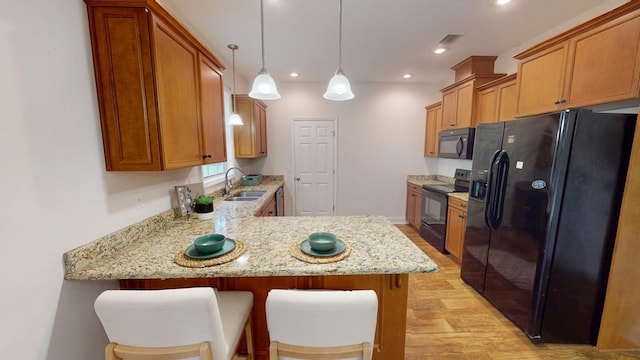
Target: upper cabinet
(497,100)
(250,139)
(159,90)
(432,129)
(459,100)
(595,63)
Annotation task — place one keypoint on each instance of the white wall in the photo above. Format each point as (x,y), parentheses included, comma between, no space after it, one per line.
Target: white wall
(380,140)
(56,193)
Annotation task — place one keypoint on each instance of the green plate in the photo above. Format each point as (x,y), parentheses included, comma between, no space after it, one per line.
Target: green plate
(229,245)
(306,248)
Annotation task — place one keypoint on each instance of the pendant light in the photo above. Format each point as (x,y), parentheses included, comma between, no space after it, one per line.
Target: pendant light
(264,88)
(339,88)
(234,118)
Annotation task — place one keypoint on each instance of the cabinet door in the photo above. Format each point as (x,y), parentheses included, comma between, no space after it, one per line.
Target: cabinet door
(261,126)
(434,114)
(411,205)
(176,63)
(605,63)
(417,207)
(541,80)
(455,231)
(244,135)
(125,86)
(449,107)
(212,113)
(506,101)
(269,209)
(464,105)
(487,101)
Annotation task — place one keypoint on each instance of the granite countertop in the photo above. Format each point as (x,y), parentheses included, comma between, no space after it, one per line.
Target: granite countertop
(464,196)
(429,180)
(147,250)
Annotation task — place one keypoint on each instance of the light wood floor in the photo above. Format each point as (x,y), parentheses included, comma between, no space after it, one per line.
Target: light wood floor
(446,319)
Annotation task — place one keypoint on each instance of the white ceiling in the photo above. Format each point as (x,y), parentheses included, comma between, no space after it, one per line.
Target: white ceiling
(382,39)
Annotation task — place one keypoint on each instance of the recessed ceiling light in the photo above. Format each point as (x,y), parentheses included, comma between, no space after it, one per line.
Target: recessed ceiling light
(294,74)
(407,76)
(502,2)
(440,50)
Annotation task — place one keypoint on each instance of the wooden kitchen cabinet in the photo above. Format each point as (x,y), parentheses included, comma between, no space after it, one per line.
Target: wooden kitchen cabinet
(250,139)
(432,129)
(594,63)
(159,90)
(459,101)
(497,100)
(213,122)
(456,224)
(269,209)
(414,205)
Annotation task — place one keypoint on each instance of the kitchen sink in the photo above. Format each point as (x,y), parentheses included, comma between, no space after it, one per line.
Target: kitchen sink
(248,194)
(245,196)
(242,198)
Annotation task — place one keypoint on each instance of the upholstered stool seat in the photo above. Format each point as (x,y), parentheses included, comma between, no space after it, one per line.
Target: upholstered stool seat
(321,324)
(161,322)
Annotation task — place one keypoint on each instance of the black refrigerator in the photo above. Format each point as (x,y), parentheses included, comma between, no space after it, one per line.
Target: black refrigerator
(542,217)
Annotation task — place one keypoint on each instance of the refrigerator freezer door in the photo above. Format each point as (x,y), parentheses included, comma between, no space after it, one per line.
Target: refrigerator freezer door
(477,235)
(515,247)
(586,230)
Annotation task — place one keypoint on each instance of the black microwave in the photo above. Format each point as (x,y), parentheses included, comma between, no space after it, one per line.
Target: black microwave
(456,143)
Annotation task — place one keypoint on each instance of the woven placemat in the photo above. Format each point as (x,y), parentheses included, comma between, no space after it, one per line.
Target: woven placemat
(295,251)
(183,260)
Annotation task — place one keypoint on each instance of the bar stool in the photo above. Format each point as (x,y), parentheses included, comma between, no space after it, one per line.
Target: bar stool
(319,324)
(175,324)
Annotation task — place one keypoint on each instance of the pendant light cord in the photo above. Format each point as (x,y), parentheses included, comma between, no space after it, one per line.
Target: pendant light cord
(339,36)
(233,63)
(262,30)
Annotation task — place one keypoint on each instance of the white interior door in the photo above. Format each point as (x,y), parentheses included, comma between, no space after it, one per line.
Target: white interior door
(314,166)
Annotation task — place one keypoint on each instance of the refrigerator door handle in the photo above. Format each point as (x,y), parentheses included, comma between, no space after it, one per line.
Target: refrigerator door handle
(502,172)
(490,190)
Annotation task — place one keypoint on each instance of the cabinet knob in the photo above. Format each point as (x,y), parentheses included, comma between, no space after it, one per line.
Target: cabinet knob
(206,156)
(562,101)
(452,125)
(297,179)
(556,102)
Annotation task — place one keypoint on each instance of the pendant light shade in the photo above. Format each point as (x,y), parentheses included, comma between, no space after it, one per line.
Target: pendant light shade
(339,88)
(234,118)
(264,87)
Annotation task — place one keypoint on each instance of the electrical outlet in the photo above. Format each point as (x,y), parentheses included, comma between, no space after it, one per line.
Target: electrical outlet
(138,200)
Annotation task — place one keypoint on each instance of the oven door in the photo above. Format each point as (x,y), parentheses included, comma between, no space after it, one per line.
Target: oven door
(434,210)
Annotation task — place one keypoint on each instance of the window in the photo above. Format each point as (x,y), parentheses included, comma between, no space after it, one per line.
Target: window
(213,169)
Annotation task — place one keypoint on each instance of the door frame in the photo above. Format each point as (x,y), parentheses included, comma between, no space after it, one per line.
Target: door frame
(334,120)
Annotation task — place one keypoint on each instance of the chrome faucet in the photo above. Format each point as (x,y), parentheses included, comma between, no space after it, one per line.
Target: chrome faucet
(227,183)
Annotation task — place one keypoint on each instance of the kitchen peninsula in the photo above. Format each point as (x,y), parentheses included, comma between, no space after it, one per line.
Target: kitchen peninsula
(142,257)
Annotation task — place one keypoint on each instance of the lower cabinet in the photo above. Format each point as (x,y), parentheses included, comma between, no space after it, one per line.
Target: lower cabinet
(392,291)
(269,209)
(414,204)
(456,223)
